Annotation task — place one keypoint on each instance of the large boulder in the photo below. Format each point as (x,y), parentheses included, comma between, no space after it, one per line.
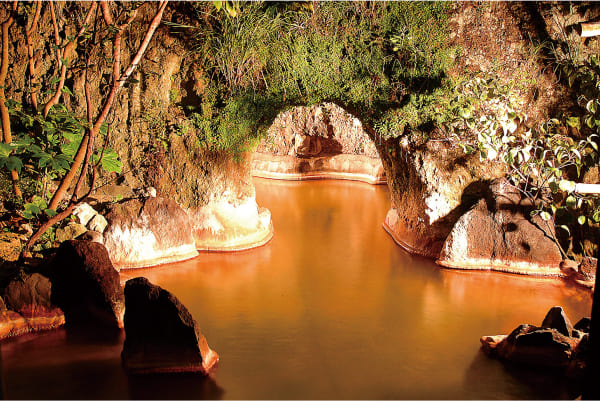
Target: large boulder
(318,142)
(85,285)
(30,295)
(160,333)
(27,306)
(498,234)
(557,319)
(432,183)
(533,345)
(148,232)
(544,346)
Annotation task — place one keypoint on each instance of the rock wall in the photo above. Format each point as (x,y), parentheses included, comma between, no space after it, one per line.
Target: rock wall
(145,121)
(433,183)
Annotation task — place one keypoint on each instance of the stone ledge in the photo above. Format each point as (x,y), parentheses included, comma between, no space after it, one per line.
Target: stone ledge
(249,241)
(343,166)
(522,268)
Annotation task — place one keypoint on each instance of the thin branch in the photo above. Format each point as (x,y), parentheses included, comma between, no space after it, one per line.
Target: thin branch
(28,32)
(70,46)
(5,117)
(79,157)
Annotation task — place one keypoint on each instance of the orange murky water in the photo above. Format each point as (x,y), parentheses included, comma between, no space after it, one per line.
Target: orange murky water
(331,308)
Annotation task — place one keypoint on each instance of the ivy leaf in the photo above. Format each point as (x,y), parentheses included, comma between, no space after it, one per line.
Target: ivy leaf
(13,163)
(545,216)
(110,161)
(574,122)
(581,220)
(5,149)
(571,201)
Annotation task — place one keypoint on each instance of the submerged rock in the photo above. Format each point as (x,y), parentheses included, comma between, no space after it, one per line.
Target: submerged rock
(498,234)
(161,334)
(148,232)
(544,346)
(85,285)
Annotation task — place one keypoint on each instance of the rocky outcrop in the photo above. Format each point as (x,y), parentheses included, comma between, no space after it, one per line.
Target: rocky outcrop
(27,306)
(345,167)
(498,234)
(10,247)
(431,184)
(85,285)
(148,232)
(555,345)
(227,225)
(318,142)
(71,231)
(160,333)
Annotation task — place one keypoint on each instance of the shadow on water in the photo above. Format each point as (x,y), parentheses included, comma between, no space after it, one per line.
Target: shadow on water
(187,386)
(517,381)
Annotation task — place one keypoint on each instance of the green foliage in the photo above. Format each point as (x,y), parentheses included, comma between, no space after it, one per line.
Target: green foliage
(43,149)
(50,143)
(37,206)
(544,162)
(385,62)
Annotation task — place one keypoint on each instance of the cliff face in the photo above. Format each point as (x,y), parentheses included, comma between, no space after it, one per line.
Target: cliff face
(432,182)
(145,126)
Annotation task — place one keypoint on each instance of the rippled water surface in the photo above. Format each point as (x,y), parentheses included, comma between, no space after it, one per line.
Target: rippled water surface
(331,308)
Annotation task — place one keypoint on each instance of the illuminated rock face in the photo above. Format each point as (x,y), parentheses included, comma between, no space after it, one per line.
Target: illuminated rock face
(498,234)
(227,225)
(86,286)
(318,142)
(432,183)
(161,334)
(148,232)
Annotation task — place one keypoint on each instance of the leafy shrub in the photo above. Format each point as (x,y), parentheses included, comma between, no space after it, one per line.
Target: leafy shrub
(376,59)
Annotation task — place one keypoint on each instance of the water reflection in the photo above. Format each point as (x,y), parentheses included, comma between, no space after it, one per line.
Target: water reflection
(331,308)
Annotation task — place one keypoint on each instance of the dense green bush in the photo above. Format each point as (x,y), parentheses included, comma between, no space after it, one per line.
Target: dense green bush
(385,62)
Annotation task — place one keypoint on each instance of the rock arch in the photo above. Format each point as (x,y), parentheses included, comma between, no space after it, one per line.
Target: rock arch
(315,142)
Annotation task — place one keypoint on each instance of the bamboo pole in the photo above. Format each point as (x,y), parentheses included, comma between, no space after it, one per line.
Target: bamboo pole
(590,29)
